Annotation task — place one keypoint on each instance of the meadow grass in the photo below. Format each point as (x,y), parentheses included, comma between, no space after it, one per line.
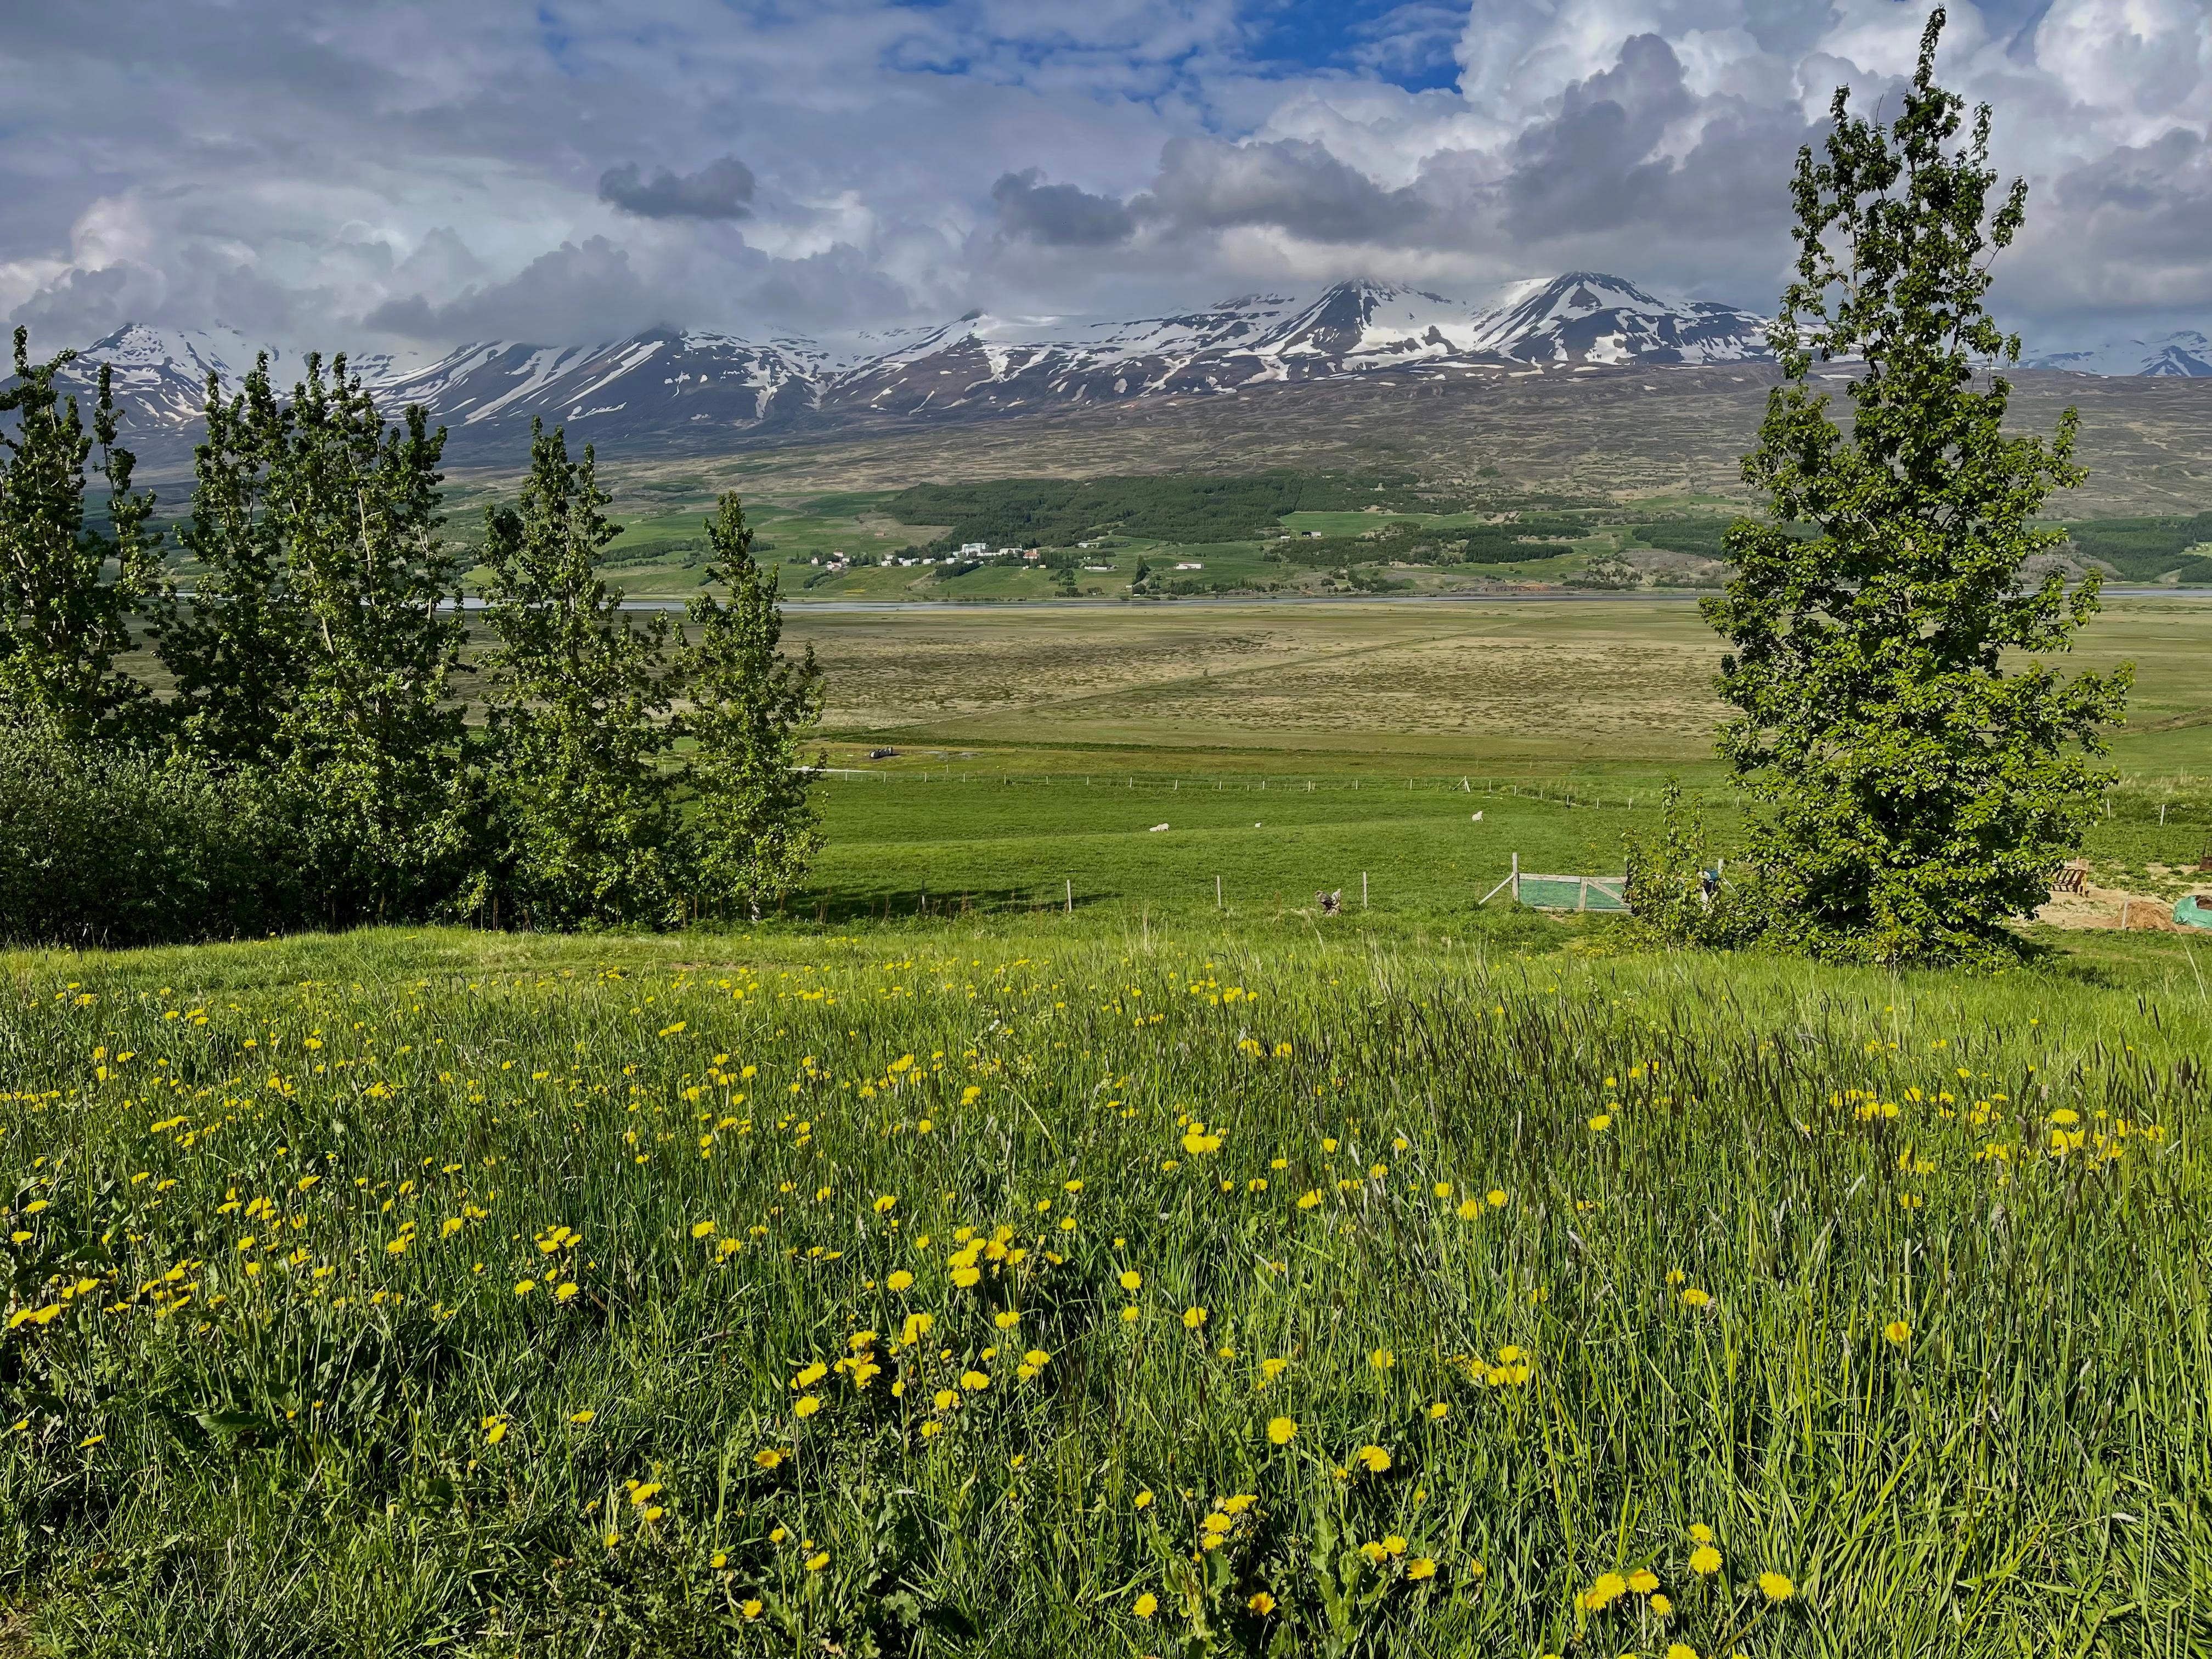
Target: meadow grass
(1056,1285)
(982,1277)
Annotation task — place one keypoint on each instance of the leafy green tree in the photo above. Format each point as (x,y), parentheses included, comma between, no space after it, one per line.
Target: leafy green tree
(321,638)
(579,698)
(1924,771)
(234,643)
(753,827)
(69,589)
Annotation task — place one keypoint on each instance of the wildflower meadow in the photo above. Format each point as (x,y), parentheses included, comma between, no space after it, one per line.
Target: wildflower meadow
(1035,1289)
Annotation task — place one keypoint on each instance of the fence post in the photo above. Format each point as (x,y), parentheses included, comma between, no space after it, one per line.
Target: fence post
(1071,895)
(1217,892)
(1362,890)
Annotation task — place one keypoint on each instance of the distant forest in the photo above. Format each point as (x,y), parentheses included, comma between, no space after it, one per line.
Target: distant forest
(2146,549)
(1061,511)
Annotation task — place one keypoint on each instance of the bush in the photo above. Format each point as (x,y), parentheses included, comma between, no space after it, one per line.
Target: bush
(115,848)
(1675,885)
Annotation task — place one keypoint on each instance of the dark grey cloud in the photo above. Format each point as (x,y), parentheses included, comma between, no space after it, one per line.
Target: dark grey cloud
(1058,216)
(581,291)
(1592,166)
(722,189)
(1291,184)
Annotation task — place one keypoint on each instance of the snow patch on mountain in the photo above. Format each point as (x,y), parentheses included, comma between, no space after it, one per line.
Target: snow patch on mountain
(2185,353)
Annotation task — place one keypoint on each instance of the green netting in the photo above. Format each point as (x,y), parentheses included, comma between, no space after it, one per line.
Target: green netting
(1572,892)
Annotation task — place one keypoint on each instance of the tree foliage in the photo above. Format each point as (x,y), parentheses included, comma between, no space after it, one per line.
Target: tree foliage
(1922,770)
(578,699)
(753,827)
(69,588)
(312,764)
(321,638)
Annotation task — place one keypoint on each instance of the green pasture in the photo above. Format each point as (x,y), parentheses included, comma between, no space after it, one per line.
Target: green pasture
(996,842)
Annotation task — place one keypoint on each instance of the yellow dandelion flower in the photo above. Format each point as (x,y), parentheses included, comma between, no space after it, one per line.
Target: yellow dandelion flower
(1609,1587)
(1898,1331)
(1776,1588)
(1644,1580)
(1263,1603)
(1421,1567)
(901,1281)
(1146,1605)
(1702,1533)
(1601,1123)
(1192,1318)
(1704,1560)
(1281,1431)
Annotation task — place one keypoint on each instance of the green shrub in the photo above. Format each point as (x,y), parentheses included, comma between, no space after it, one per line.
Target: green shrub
(113,848)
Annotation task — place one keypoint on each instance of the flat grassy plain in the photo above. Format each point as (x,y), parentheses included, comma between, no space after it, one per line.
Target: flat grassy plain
(940,1269)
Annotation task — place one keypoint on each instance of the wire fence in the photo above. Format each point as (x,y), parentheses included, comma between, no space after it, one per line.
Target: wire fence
(1620,795)
(2178,800)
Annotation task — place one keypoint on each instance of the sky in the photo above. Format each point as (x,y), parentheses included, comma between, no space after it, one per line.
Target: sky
(386,174)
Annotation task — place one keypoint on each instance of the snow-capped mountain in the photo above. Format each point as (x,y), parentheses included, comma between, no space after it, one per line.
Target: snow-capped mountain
(665,378)
(2185,353)
(699,391)
(159,375)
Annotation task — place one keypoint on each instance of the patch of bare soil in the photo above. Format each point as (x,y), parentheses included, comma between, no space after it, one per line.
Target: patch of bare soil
(2110,908)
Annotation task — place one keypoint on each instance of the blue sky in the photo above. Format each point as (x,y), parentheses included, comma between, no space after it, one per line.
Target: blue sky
(409,174)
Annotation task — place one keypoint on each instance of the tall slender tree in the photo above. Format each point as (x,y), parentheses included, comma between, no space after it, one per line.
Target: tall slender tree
(753,827)
(1922,768)
(321,638)
(69,588)
(580,699)
(233,643)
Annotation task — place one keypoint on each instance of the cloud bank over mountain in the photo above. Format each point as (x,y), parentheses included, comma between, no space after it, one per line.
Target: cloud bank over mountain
(405,177)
